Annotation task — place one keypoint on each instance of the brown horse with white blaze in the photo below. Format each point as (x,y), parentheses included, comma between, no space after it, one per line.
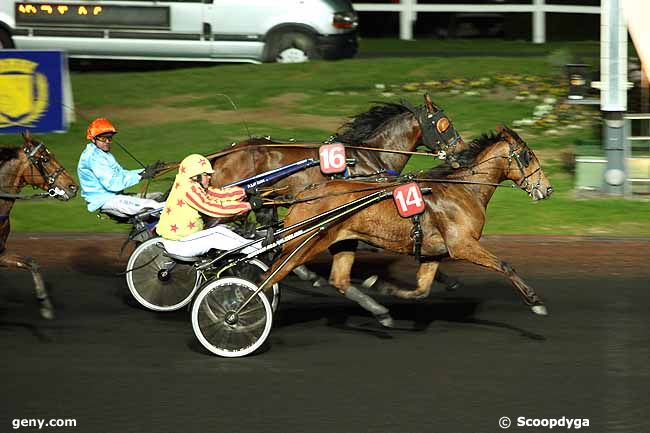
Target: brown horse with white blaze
(452,222)
(31,164)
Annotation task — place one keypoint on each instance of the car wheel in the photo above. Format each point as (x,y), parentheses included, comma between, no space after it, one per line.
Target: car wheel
(293,47)
(5,40)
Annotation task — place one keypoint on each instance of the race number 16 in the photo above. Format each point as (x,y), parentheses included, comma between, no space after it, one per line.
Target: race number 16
(408,199)
(332,158)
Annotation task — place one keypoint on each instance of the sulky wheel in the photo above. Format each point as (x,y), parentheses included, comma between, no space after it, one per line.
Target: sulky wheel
(224,330)
(157,281)
(252,270)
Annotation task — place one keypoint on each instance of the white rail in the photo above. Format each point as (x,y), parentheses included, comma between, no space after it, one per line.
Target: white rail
(408,10)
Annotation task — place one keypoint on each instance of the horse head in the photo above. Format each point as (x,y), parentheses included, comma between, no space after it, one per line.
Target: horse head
(437,131)
(44,171)
(527,172)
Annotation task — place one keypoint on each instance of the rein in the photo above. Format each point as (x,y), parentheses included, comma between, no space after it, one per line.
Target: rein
(4,195)
(400,181)
(172,165)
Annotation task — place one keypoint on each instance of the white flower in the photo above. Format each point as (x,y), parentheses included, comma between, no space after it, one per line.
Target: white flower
(380,86)
(387,94)
(549,100)
(523,122)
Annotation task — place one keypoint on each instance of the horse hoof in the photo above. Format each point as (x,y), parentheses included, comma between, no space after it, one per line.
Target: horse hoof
(385,320)
(320,282)
(370,281)
(47,313)
(539,310)
(453,286)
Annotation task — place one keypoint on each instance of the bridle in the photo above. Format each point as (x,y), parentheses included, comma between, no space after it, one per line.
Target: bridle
(523,157)
(438,132)
(39,160)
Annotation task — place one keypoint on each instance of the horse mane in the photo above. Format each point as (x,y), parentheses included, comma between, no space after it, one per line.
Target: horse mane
(467,157)
(8,153)
(364,125)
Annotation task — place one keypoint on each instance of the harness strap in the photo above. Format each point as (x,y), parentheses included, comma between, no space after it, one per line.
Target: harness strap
(416,235)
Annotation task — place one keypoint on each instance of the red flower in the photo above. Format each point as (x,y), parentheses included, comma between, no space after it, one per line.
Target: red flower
(174,227)
(180,203)
(168,210)
(191,225)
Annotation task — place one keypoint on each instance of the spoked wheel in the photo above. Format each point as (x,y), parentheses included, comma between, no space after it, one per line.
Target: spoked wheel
(252,270)
(157,281)
(224,330)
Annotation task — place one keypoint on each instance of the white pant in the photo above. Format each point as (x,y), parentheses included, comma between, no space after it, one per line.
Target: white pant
(129,204)
(219,237)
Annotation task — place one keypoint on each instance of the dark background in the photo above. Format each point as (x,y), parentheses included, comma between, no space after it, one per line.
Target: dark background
(559,27)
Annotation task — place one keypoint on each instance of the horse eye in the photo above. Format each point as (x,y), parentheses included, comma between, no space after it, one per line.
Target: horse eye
(45,159)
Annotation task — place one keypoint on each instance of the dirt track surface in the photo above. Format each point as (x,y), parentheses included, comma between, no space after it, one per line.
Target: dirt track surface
(459,362)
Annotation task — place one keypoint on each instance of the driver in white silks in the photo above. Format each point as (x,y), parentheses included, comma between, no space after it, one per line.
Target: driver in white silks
(181,225)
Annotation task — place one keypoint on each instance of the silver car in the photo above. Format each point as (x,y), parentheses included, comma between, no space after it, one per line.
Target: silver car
(203,30)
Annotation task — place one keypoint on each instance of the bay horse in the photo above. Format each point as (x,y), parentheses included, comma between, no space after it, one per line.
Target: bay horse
(452,222)
(32,164)
(386,126)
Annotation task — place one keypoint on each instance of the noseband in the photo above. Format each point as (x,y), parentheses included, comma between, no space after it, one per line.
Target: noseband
(39,161)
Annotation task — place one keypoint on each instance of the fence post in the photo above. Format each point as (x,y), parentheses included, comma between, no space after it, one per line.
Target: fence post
(406,20)
(539,22)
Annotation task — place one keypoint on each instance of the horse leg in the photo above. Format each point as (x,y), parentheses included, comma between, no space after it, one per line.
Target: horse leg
(340,278)
(317,281)
(451,284)
(473,252)
(12,260)
(305,274)
(425,275)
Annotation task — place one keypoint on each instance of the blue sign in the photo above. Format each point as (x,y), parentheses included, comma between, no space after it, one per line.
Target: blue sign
(31,91)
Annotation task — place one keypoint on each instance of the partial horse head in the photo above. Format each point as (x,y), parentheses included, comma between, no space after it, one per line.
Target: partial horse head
(526,171)
(426,125)
(44,171)
(493,158)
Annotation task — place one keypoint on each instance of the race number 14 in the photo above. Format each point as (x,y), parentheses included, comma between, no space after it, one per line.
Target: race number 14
(332,158)
(408,199)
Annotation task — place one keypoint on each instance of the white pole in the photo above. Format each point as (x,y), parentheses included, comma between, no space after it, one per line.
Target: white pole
(406,20)
(613,94)
(613,57)
(539,22)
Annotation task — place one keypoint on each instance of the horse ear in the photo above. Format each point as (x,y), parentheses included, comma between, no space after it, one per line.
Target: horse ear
(431,107)
(509,134)
(504,132)
(27,136)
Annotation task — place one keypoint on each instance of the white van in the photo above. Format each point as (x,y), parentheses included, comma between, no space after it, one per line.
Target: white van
(203,30)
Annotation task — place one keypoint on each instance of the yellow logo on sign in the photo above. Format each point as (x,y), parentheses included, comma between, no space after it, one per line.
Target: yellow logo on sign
(24,93)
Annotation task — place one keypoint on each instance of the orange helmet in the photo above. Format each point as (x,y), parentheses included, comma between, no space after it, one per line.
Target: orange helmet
(99,126)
